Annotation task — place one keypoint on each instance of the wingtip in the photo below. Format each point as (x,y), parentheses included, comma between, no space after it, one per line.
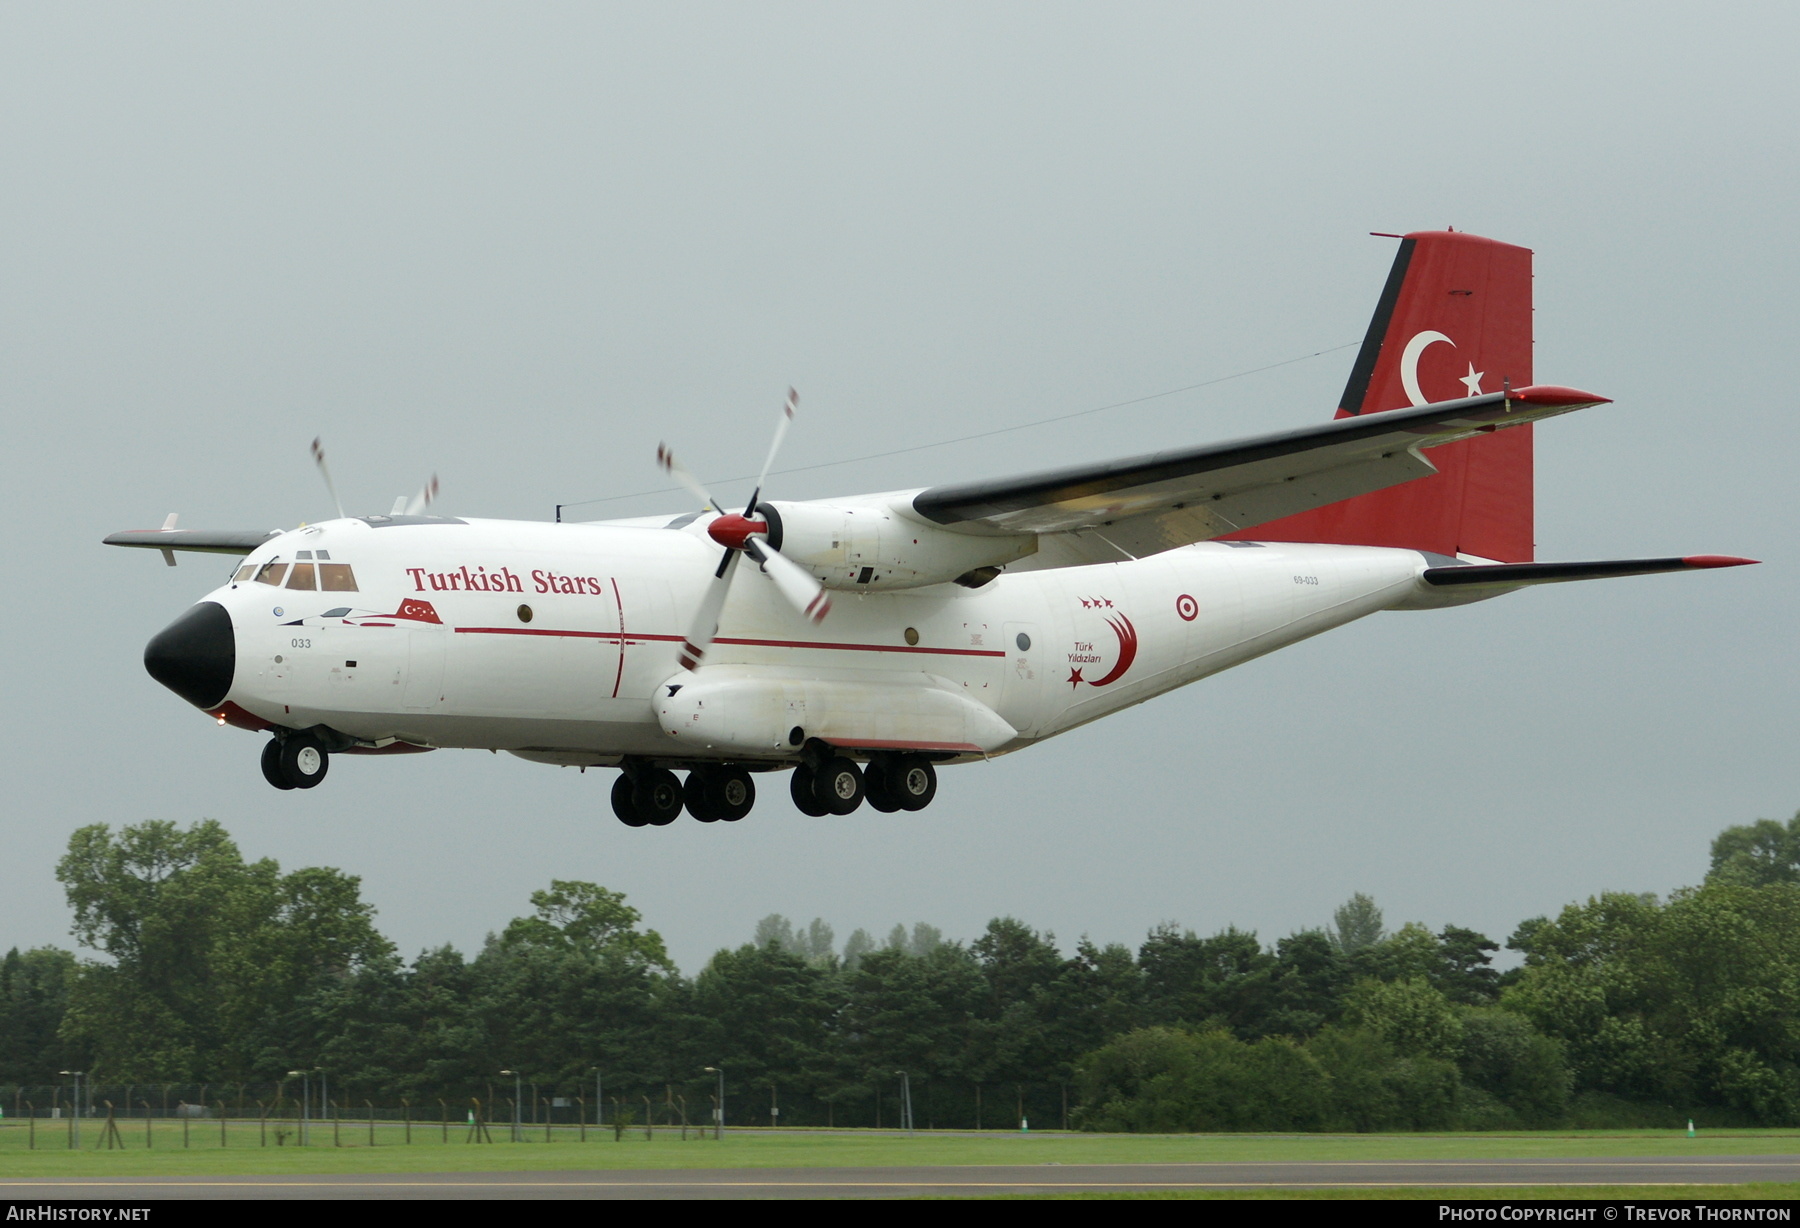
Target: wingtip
(1557,394)
(1718,560)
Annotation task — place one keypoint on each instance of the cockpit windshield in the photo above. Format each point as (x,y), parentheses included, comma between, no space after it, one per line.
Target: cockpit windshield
(305,575)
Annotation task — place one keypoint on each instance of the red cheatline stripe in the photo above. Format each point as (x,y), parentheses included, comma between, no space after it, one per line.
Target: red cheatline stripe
(942,652)
(637,637)
(585,635)
(880,744)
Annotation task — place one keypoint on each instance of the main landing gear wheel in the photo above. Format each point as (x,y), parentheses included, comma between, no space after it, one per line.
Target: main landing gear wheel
(656,796)
(713,794)
(303,760)
(838,786)
(805,795)
(912,782)
(621,802)
(878,787)
(271,766)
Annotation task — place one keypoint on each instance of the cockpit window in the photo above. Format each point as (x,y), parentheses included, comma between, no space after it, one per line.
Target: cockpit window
(271,573)
(336,578)
(244,573)
(301,576)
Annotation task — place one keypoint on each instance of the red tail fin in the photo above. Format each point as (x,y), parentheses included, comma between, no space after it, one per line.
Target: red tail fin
(1454,320)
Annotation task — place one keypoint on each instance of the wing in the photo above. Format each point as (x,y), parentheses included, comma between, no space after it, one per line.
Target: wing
(204,541)
(1146,504)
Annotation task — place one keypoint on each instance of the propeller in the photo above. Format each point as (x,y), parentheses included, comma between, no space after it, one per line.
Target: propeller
(403,506)
(419,502)
(741,535)
(318,451)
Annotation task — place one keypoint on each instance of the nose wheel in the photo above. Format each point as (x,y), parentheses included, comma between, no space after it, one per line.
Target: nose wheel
(297,761)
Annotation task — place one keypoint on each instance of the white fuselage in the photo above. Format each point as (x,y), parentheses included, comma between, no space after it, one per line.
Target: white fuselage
(558,642)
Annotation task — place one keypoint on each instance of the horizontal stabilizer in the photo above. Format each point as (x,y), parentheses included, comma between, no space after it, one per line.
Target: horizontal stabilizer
(1512,575)
(203,541)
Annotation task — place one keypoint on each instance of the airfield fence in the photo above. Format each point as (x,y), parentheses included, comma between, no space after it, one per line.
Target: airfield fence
(293,1113)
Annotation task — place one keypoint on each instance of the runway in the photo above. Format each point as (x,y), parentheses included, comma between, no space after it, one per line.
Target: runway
(945,1180)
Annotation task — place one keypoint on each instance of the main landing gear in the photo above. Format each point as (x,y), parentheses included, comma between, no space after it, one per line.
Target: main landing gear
(889,783)
(298,761)
(655,797)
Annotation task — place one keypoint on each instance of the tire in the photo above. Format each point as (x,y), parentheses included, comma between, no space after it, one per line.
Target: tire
(802,790)
(731,792)
(914,783)
(621,802)
(838,786)
(271,766)
(877,788)
(656,796)
(697,795)
(303,761)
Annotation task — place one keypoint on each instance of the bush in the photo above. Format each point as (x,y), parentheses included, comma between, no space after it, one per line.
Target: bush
(1502,1056)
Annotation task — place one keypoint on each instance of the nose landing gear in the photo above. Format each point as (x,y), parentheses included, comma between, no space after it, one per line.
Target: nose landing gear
(298,761)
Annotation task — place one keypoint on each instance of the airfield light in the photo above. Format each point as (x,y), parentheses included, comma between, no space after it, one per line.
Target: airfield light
(719,1109)
(518,1091)
(75,1125)
(305,1077)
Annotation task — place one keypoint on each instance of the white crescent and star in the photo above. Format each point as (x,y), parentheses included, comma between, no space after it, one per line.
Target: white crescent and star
(1409,367)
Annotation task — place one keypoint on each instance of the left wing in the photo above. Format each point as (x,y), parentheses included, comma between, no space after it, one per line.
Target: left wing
(1147,504)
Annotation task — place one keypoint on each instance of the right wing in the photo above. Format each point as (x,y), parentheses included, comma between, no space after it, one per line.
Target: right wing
(1146,504)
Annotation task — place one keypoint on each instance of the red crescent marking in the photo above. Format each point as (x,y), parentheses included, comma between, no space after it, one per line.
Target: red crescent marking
(1128,646)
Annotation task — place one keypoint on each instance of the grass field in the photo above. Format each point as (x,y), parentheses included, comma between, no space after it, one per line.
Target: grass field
(1760,1191)
(244,1154)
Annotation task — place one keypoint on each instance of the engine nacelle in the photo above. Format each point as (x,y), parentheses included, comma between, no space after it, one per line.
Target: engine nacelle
(860,546)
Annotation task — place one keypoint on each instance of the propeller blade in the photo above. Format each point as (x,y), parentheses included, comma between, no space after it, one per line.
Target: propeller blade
(706,621)
(795,583)
(424,499)
(781,429)
(665,457)
(318,451)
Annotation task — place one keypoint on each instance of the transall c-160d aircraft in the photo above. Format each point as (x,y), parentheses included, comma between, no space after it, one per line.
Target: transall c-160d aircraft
(871,640)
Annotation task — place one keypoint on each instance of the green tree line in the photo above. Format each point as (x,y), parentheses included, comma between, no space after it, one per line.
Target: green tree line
(1626,1009)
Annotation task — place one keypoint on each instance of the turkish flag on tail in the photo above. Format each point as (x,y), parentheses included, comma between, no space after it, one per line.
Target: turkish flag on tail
(1454,320)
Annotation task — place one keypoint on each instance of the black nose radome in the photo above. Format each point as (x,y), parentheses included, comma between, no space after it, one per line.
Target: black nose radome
(195,655)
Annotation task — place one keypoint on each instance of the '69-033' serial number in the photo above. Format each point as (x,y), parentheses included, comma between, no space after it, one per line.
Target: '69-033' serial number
(1306,579)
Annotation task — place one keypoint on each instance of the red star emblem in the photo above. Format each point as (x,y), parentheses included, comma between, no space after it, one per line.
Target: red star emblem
(1075,678)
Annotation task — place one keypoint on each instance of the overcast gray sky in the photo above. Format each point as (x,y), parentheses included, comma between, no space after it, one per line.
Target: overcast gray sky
(519,244)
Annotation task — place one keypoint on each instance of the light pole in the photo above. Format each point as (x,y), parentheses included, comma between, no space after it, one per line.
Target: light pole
(305,1077)
(75,1130)
(719,1121)
(906,1121)
(518,1090)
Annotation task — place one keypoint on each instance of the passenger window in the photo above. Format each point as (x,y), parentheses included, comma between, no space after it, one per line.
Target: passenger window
(244,573)
(271,573)
(302,576)
(336,578)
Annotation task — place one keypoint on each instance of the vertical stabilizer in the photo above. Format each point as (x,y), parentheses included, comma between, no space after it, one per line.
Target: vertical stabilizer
(1454,320)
